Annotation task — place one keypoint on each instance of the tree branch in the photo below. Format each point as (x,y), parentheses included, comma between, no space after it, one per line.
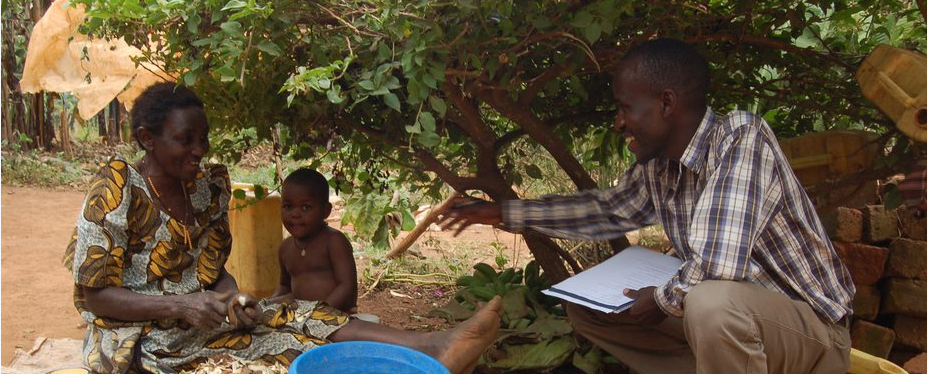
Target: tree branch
(536,84)
(537,130)
(472,123)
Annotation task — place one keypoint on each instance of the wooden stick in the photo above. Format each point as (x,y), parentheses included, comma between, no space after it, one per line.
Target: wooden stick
(404,244)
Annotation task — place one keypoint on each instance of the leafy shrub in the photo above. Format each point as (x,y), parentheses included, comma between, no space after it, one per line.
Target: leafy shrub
(535,333)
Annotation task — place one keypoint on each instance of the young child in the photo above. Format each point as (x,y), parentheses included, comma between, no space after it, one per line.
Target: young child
(316,261)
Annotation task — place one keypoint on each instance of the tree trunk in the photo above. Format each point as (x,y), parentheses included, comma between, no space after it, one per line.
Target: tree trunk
(64,133)
(14,107)
(37,126)
(115,127)
(101,127)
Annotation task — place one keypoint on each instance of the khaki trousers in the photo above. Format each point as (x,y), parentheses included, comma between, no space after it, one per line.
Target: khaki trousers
(727,328)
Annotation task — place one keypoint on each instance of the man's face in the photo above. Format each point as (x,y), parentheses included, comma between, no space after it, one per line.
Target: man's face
(640,114)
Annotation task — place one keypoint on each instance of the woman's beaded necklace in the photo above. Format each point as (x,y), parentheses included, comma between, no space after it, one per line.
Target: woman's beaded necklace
(183,223)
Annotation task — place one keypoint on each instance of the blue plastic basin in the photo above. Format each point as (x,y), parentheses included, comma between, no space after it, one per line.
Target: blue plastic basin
(359,357)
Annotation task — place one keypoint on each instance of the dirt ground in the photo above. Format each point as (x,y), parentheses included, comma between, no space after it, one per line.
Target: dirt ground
(35,289)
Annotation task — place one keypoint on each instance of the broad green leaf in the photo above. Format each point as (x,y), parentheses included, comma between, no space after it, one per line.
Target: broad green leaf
(590,362)
(429,139)
(430,81)
(193,23)
(233,28)
(392,101)
(234,4)
(592,32)
(415,128)
(427,121)
(189,79)
(366,84)
(334,95)
(409,222)
(270,48)
(544,355)
(582,19)
(438,105)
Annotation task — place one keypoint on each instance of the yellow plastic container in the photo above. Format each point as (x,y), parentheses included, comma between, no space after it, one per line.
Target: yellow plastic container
(829,155)
(894,79)
(864,363)
(256,236)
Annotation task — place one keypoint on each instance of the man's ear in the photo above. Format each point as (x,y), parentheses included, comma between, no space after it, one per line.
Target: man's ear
(668,102)
(145,137)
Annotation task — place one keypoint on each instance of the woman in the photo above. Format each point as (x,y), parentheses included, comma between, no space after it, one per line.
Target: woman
(148,254)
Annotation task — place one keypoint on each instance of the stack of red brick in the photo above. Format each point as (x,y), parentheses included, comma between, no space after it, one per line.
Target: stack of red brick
(886,254)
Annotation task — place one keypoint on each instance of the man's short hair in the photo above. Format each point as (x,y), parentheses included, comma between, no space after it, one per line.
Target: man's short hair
(670,63)
(312,180)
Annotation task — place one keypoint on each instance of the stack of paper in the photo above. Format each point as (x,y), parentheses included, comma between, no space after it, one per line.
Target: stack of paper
(600,287)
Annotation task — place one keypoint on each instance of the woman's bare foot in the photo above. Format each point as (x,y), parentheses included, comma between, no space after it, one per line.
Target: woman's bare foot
(459,349)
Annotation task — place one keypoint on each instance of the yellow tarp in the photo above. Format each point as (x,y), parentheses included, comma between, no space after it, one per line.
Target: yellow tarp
(61,59)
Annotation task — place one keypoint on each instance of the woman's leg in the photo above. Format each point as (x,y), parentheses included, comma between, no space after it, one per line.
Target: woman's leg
(458,349)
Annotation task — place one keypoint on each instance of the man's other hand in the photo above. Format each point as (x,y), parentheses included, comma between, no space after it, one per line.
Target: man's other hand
(645,310)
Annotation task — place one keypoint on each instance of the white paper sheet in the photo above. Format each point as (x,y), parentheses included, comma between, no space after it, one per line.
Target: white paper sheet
(600,287)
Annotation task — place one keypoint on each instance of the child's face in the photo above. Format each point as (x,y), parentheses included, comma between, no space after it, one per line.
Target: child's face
(302,212)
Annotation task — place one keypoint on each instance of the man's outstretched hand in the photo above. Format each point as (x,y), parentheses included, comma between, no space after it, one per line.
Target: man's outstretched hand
(468,211)
(645,310)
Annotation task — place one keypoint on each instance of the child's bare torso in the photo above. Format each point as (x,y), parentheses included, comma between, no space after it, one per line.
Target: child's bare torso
(311,274)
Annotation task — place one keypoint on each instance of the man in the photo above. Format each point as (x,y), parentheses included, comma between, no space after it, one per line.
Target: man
(760,289)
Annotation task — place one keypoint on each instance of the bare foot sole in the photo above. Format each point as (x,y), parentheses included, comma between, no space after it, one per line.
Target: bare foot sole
(462,346)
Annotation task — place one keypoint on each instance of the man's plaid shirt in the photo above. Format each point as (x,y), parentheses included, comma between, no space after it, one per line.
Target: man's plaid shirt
(732,208)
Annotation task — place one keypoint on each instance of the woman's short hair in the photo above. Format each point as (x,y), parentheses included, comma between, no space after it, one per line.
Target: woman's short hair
(153,106)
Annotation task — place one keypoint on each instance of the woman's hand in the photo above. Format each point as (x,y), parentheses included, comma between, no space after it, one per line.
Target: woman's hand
(241,310)
(201,310)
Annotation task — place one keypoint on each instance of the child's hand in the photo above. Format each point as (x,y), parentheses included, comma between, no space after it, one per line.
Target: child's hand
(241,310)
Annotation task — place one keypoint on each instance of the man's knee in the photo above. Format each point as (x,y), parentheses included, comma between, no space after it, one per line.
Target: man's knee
(711,307)
(580,318)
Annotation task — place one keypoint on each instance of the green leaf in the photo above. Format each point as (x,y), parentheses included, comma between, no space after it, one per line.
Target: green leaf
(233,29)
(592,32)
(427,121)
(260,191)
(366,84)
(239,193)
(189,78)
(270,48)
(438,105)
(334,95)
(429,139)
(226,74)
(193,23)
(590,362)
(234,4)
(582,19)
(430,81)
(547,354)
(415,128)
(409,222)
(392,101)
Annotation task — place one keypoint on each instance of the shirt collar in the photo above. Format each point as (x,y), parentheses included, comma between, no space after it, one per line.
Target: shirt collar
(694,157)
